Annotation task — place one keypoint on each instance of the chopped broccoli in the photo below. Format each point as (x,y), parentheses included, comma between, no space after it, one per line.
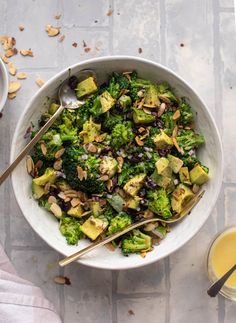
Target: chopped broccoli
(165,93)
(188,139)
(70,228)
(189,161)
(159,203)
(137,241)
(186,115)
(116,84)
(169,123)
(122,134)
(110,121)
(118,223)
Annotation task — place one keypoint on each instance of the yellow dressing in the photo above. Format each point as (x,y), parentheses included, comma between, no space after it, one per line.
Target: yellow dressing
(223,256)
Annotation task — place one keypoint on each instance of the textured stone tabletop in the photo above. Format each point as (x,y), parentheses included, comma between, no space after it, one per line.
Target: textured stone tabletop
(197,40)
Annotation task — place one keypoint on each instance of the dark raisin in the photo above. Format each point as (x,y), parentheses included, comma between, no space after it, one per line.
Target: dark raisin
(73,81)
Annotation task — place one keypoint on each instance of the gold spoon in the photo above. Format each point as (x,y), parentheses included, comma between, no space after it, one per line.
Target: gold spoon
(188,207)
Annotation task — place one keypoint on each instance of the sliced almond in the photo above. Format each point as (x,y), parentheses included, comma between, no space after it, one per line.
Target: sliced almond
(4,59)
(59,153)
(52,31)
(110,246)
(101,137)
(139,141)
(29,165)
(147,111)
(81,173)
(39,164)
(164,99)
(21,75)
(21,28)
(109,185)
(75,201)
(11,96)
(195,188)
(175,132)
(150,106)
(104,178)
(62,195)
(9,43)
(11,52)
(141,129)
(43,148)
(47,188)
(91,148)
(58,164)
(39,82)
(180,149)
(176,115)
(141,104)
(26,52)
(14,86)
(56,210)
(11,68)
(3,39)
(57,17)
(161,109)
(52,199)
(120,161)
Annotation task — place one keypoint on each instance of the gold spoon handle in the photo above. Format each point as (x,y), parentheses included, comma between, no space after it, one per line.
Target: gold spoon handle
(189,206)
(31,144)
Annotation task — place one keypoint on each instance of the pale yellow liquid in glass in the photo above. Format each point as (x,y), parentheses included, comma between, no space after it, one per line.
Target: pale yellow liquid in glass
(223,256)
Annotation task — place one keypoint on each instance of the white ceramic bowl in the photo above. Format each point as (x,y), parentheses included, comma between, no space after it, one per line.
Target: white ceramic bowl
(3,84)
(211,154)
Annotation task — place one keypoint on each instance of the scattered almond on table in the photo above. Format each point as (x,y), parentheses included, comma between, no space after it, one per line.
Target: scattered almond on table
(14,86)
(21,75)
(12,68)
(39,82)
(27,52)
(52,31)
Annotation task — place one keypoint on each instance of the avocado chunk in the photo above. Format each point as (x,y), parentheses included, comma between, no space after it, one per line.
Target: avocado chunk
(162,140)
(139,116)
(95,207)
(53,108)
(175,163)
(198,175)
(76,212)
(108,166)
(117,202)
(49,176)
(90,131)
(160,180)
(163,168)
(37,191)
(125,101)
(180,197)
(86,87)
(63,185)
(93,227)
(151,96)
(134,184)
(107,101)
(133,202)
(184,176)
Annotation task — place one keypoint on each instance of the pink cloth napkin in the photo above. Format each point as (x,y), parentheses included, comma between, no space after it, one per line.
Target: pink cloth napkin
(20,300)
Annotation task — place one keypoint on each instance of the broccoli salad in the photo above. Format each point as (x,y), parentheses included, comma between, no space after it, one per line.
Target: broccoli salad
(128,153)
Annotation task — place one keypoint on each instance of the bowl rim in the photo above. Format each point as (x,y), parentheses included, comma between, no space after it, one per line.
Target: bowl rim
(168,70)
(5,84)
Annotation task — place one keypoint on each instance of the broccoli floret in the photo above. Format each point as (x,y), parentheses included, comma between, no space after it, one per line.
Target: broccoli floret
(159,203)
(43,202)
(205,168)
(137,241)
(136,85)
(116,84)
(110,121)
(186,115)
(169,123)
(126,173)
(122,134)
(165,92)
(71,159)
(70,228)
(188,139)
(189,161)
(118,223)
(108,213)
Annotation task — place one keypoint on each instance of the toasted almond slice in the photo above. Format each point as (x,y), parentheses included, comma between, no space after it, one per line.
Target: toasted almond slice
(141,129)
(161,109)
(80,172)
(21,28)
(101,137)
(120,161)
(4,59)
(52,31)
(104,178)
(3,39)
(109,185)
(9,43)
(141,103)
(147,111)
(47,188)
(175,131)
(11,68)
(56,210)
(29,164)
(59,153)
(139,141)
(39,82)
(14,86)
(143,254)
(150,106)
(75,201)
(11,52)
(176,115)
(195,188)
(164,99)
(11,96)
(61,38)
(43,148)
(180,149)
(110,246)
(57,17)
(21,75)
(92,148)
(52,199)
(39,164)
(62,195)
(58,164)
(26,52)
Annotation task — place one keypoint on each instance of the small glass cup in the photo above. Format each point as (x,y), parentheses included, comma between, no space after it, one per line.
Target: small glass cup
(226,291)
